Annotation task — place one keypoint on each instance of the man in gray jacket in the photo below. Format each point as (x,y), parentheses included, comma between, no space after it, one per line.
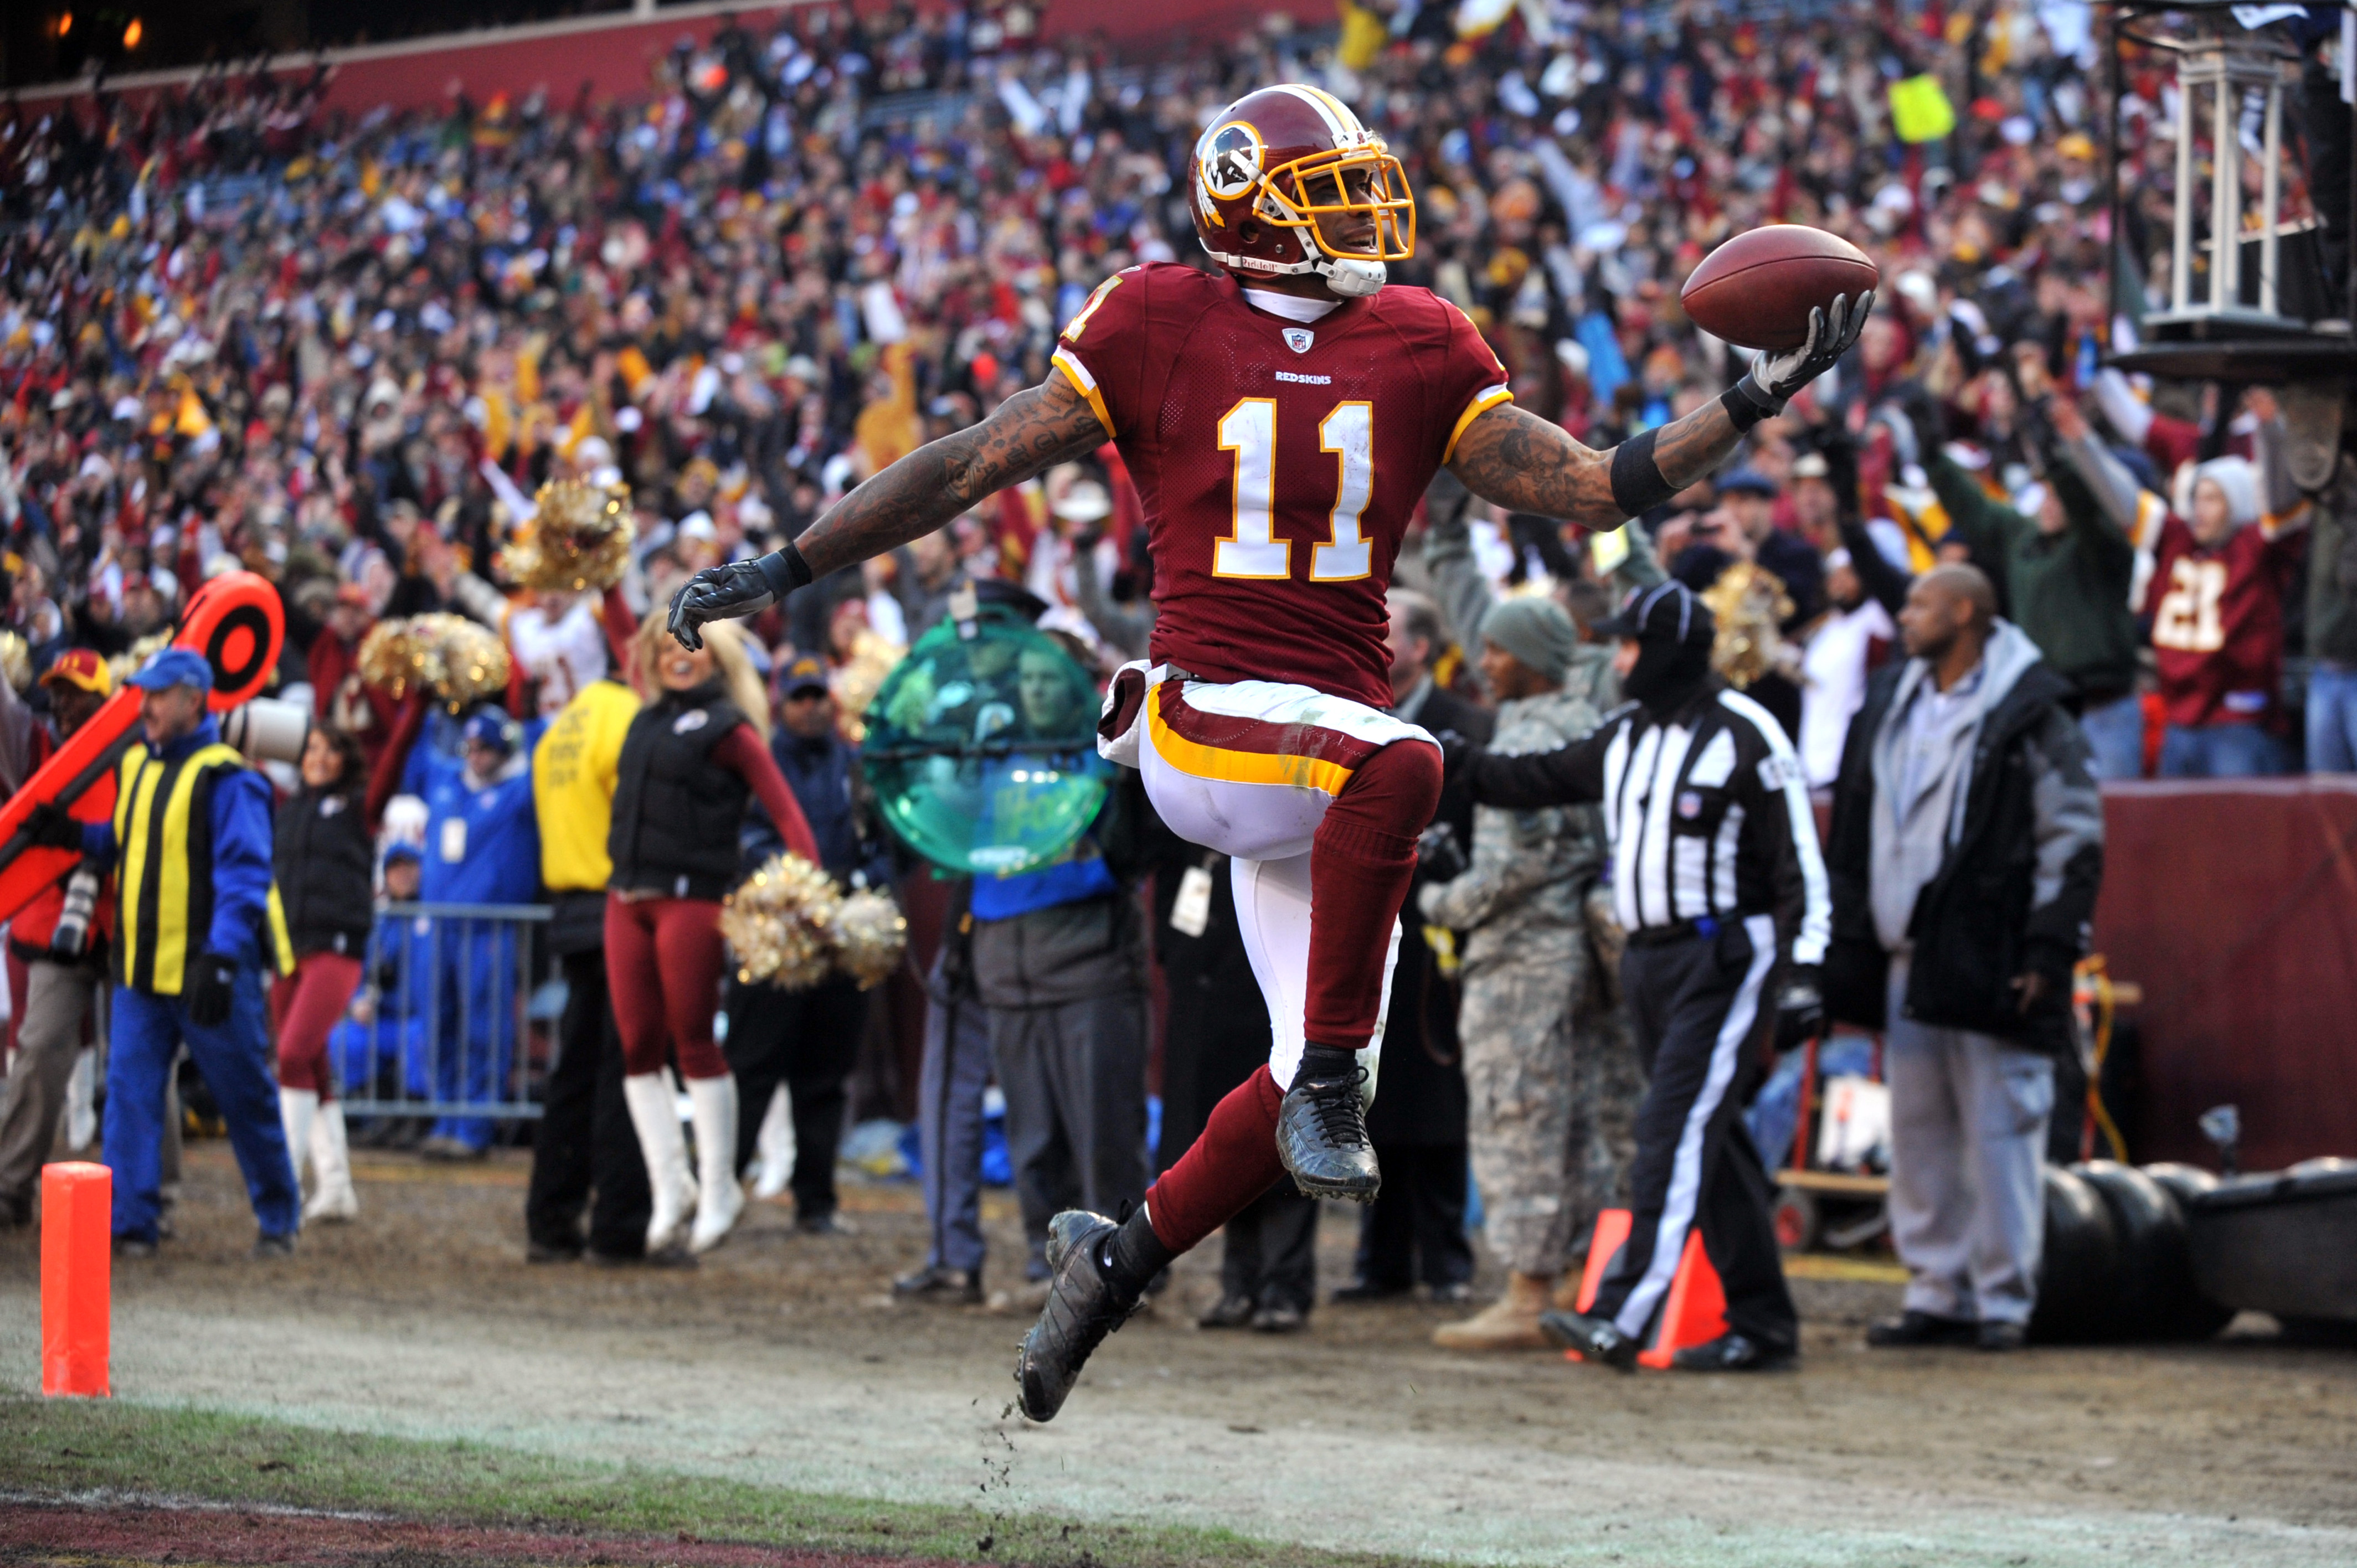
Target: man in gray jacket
(1551,1077)
(1965,852)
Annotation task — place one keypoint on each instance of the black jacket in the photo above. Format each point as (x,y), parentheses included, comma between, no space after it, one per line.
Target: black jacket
(1728,757)
(676,811)
(323,861)
(1979,922)
(1420,1089)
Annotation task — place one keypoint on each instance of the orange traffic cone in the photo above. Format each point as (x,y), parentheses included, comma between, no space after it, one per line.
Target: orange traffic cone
(1695,1310)
(77,1200)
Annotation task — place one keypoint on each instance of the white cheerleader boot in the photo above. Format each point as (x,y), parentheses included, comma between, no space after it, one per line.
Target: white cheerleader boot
(773,1158)
(713,1103)
(331,1168)
(297,1108)
(655,1115)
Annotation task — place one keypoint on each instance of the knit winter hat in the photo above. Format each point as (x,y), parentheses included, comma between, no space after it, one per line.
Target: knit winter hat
(2240,481)
(1537,632)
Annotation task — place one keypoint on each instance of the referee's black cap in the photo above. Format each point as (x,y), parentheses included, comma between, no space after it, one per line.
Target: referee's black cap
(1666,612)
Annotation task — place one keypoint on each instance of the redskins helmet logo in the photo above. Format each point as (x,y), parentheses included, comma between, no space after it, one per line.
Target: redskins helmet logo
(1230,158)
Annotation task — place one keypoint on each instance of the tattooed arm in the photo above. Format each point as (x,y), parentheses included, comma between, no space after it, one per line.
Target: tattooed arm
(1522,463)
(1032,431)
(1511,456)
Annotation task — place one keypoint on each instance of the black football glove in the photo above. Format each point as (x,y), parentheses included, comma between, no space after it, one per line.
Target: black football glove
(211,977)
(1775,376)
(52,826)
(731,592)
(1800,1009)
(1439,855)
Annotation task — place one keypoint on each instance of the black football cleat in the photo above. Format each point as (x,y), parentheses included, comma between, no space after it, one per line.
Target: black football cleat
(1733,1352)
(1912,1330)
(1084,1306)
(1321,1129)
(1597,1339)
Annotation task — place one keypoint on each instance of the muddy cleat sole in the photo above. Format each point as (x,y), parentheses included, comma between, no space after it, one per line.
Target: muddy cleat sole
(1082,1307)
(1596,1338)
(1321,1137)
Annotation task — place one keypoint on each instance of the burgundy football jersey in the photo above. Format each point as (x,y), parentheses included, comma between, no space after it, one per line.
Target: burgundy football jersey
(1278,463)
(2217,625)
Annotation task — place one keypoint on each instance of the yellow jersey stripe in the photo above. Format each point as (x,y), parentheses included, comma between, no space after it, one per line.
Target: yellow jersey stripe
(1086,385)
(1199,761)
(1482,403)
(173,939)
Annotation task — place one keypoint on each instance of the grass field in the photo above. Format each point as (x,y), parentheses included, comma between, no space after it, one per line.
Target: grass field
(106,1453)
(406,1392)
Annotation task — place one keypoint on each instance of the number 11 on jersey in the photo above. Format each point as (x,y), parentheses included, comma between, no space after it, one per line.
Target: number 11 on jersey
(1253,549)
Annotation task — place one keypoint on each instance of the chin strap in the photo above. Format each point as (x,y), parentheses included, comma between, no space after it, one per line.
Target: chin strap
(1354,279)
(1350,277)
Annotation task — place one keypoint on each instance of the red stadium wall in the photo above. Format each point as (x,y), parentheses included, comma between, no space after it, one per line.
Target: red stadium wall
(2234,905)
(612,54)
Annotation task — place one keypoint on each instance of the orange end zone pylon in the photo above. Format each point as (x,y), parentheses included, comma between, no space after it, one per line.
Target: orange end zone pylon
(1695,1310)
(77,1225)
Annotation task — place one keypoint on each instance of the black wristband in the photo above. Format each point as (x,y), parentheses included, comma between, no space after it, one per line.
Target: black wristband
(1637,483)
(784,570)
(1748,403)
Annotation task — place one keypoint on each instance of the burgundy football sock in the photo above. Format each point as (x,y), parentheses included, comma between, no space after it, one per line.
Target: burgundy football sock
(1360,864)
(1231,1165)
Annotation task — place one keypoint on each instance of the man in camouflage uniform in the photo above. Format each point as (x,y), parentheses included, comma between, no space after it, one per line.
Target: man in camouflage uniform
(1550,1075)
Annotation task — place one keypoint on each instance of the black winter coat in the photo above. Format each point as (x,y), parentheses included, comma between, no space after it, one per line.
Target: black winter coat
(1420,1088)
(676,811)
(1975,927)
(323,861)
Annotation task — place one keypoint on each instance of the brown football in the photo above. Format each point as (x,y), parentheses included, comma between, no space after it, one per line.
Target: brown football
(1757,290)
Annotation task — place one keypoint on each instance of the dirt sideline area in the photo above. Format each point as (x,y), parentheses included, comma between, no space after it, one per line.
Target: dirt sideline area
(784,1363)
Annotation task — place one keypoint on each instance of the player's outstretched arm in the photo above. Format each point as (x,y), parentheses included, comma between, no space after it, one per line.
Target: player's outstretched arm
(1522,462)
(1512,458)
(1035,429)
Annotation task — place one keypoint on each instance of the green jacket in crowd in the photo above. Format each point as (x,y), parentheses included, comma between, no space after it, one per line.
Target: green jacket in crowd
(2068,591)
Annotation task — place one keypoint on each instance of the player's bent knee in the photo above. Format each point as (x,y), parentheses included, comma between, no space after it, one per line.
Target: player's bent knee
(1401,783)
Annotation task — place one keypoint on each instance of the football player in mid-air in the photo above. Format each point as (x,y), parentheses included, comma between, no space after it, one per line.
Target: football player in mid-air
(1281,416)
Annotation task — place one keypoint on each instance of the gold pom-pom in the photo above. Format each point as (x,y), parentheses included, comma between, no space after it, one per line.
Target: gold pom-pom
(16,661)
(1749,603)
(780,923)
(871,934)
(126,664)
(579,539)
(459,660)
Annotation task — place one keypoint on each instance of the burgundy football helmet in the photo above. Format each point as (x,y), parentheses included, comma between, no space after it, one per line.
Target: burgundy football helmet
(1277,160)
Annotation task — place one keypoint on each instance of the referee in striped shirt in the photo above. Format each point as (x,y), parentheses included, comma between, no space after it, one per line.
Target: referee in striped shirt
(1718,882)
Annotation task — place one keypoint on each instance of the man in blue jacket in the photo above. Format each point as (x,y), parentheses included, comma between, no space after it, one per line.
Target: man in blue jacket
(482,846)
(200,927)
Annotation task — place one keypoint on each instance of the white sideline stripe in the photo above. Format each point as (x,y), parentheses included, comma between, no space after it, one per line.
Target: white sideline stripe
(1685,1171)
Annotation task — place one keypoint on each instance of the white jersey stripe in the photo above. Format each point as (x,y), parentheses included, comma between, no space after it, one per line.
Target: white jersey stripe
(1816,930)
(1654,899)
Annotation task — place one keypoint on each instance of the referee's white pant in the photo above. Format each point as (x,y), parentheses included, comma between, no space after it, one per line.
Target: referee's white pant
(1694,1004)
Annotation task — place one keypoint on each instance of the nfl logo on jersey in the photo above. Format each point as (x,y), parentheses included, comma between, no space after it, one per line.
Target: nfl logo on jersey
(1298,339)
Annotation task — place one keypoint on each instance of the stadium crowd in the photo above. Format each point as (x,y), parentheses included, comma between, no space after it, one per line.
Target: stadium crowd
(237,331)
